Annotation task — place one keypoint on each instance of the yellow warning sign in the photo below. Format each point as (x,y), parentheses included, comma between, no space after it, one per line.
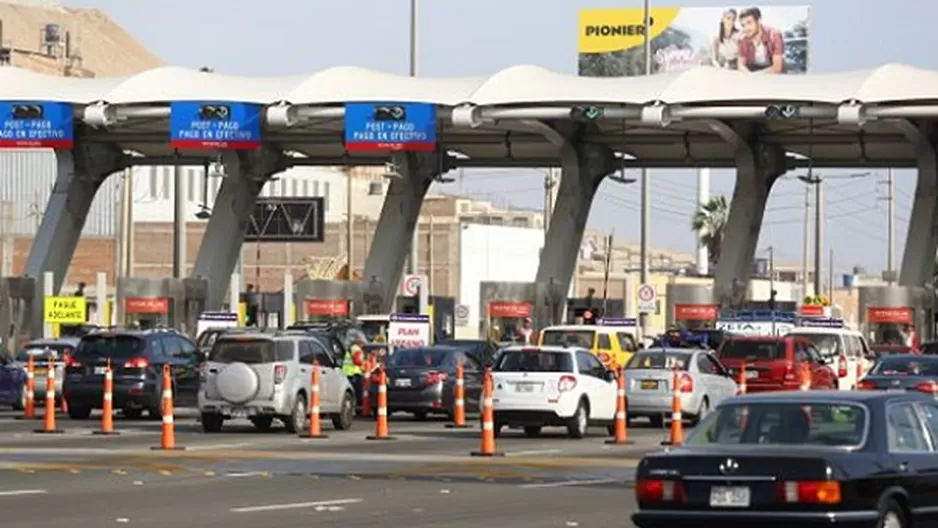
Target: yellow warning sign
(67,310)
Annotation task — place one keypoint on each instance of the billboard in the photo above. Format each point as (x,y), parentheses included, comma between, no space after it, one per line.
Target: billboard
(764,39)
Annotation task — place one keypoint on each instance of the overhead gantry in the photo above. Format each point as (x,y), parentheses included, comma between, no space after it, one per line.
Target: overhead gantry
(520,116)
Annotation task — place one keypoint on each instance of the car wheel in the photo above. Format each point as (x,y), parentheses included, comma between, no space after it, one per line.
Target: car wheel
(346,416)
(497,429)
(578,424)
(702,412)
(891,515)
(297,419)
(420,415)
(20,403)
(611,429)
(78,412)
(134,413)
(656,420)
(532,431)
(262,423)
(212,422)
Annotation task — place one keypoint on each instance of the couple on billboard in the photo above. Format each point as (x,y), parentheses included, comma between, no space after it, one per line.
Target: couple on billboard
(745,43)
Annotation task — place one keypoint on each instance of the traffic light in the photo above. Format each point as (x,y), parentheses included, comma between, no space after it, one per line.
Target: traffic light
(586,113)
(782,112)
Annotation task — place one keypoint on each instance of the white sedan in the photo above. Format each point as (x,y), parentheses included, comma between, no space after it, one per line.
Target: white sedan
(551,386)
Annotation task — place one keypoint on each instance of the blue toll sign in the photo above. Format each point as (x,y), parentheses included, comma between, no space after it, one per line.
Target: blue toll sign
(379,127)
(37,125)
(215,125)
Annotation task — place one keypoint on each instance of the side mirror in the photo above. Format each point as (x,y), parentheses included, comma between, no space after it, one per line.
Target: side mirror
(609,375)
(641,346)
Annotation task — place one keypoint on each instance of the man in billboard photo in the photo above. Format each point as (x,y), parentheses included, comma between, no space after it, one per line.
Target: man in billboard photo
(761,48)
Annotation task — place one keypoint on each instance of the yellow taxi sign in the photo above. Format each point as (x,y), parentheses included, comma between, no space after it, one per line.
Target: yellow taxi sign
(66,310)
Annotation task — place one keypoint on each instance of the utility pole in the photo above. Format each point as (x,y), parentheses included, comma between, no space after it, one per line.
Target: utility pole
(806,241)
(646,189)
(772,285)
(890,226)
(179,222)
(816,180)
(549,182)
(349,224)
(413,267)
(830,277)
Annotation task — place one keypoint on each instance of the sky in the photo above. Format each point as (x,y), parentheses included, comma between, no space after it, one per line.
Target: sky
(480,37)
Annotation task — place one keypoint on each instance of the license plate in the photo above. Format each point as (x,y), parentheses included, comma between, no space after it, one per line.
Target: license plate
(524,387)
(237,413)
(40,372)
(402,382)
(722,497)
(650,384)
(100,370)
(752,374)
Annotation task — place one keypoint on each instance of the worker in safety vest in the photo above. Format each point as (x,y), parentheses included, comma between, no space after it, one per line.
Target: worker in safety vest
(353,363)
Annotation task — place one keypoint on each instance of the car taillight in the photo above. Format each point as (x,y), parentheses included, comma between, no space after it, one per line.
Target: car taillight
(647,490)
(137,362)
(928,387)
(789,371)
(866,385)
(685,383)
(566,383)
(71,362)
(842,369)
(203,372)
(809,492)
(434,377)
(280,372)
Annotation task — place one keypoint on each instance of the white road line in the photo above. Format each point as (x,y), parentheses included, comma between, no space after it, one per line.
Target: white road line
(294,506)
(570,483)
(212,447)
(15,493)
(534,452)
(245,474)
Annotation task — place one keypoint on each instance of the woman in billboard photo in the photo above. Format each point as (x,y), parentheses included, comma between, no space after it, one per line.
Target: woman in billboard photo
(724,50)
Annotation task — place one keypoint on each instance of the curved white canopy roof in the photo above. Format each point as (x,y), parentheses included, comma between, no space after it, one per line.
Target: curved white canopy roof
(891,83)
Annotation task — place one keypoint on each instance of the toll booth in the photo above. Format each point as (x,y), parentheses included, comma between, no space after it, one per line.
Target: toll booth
(441,310)
(153,303)
(268,306)
(17,300)
(885,310)
(322,300)
(578,308)
(503,307)
(691,306)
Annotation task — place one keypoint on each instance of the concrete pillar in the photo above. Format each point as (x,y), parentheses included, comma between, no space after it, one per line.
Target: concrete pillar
(396,226)
(80,173)
(583,169)
(100,289)
(48,290)
(757,169)
(918,259)
(246,173)
(289,304)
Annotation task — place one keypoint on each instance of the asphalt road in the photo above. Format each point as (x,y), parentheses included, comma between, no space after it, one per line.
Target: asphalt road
(425,476)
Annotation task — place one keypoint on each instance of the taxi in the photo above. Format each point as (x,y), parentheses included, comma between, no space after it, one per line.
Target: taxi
(612,340)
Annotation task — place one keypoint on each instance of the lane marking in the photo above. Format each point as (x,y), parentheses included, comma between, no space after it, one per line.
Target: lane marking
(534,452)
(16,493)
(245,474)
(295,505)
(215,447)
(570,483)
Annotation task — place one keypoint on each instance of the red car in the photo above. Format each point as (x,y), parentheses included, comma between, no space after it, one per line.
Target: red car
(773,363)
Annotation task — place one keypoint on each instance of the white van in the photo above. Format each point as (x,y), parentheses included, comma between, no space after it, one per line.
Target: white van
(843,348)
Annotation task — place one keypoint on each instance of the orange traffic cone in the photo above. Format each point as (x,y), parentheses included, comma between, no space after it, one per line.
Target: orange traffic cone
(107,405)
(29,405)
(488,419)
(381,424)
(315,427)
(49,424)
(859,370)
(168,436)
(677,418)
(621,427)
(459,400)
(741,389)
(366,387)
(804,374)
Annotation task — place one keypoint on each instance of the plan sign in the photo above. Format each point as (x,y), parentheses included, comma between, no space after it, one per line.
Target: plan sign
(755,328)
(215,125)
(379,127)
(409,331)
(215,320)
(37,125)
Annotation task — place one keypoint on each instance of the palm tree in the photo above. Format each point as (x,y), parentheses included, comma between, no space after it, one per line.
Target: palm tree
(709,222)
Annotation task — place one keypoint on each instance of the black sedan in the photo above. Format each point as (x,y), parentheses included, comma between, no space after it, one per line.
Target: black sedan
(903,372)
(818,458)
(422,381)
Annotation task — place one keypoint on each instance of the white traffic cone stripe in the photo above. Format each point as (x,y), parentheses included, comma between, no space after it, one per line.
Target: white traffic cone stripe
(168,419)
(459,382)
(620,415)
(488,426)
(315,409)
(382,411)
(382,389)
(107,396)
(676,416)
(460,402)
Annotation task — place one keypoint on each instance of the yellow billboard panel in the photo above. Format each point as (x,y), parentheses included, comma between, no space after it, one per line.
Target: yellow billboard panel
(65,310)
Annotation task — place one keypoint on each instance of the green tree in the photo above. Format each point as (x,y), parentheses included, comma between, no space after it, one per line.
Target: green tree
(709,222)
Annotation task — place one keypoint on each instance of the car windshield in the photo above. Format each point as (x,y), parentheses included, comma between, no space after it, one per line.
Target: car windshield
(752,350)
(250,351)
(828,345)
(575,338)
(418,357)
(659,359)
(208,337)
(788,424)
(43,352)
(534,360)
(905,366)
(374,329)
(120,346)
